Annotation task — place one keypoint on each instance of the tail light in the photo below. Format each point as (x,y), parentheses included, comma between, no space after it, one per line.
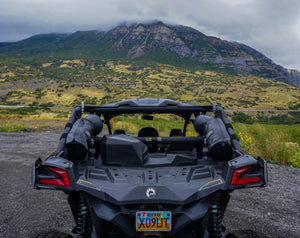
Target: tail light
(61,178)
(243,176)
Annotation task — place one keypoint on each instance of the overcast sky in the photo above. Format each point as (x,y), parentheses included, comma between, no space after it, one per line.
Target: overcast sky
(270,26)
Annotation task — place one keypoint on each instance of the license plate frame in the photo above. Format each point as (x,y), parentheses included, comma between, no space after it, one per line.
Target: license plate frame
(153,221)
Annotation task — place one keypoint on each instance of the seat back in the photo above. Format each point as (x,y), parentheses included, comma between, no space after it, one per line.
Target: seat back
(149,132)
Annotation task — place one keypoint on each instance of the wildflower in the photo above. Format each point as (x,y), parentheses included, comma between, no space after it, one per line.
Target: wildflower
(245,141)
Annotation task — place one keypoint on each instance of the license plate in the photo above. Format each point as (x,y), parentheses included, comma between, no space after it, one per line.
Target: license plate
(153,221)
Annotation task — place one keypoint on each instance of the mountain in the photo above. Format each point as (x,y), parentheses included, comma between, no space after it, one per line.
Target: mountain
(156,42)
(142,60)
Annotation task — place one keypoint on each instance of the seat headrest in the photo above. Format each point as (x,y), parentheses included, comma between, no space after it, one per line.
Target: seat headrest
(175,132)
(148,131)
(118,132)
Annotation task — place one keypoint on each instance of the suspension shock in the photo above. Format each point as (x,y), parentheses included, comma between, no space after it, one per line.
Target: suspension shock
(84,225)
(215,227)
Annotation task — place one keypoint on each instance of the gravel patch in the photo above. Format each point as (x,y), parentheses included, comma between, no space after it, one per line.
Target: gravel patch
(273,210)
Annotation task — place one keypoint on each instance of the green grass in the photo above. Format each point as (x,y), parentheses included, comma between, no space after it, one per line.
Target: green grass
(132,124)
(276,143)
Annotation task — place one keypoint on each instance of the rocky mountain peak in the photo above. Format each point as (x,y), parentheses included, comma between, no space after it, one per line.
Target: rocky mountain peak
(142,37)
(120,29)
(186,42)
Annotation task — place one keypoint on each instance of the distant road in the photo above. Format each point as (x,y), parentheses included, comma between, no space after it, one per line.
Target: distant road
(13,106)
(259,110)
(228,109)
(22,106)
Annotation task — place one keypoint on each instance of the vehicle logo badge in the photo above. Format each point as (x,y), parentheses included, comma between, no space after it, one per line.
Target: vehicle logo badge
(150,193)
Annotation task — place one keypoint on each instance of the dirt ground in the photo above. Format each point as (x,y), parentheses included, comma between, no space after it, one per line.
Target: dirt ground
(273,210)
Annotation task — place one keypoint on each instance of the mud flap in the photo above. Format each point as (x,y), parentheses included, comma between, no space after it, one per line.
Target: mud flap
(263,164)
(36,164)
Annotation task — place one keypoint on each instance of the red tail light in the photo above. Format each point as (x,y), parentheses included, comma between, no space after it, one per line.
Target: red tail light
(62,180)
(238,179)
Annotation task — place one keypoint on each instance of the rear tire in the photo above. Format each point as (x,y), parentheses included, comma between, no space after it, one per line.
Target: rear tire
(105,229)
(53,234)
(245,234)
(194,230)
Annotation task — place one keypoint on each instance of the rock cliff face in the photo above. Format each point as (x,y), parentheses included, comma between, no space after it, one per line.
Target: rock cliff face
(190,43)
(143,37)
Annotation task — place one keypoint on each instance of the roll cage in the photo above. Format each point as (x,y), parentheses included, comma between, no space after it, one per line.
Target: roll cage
(148,106)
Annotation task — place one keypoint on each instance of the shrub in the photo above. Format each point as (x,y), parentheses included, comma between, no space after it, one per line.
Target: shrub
(295,160)
(242,117)
(12,127)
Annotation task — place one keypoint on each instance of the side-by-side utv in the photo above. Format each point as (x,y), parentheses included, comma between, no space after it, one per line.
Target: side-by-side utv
(149,168)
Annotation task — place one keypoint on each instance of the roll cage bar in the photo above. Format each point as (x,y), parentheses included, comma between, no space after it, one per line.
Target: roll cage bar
(184,112)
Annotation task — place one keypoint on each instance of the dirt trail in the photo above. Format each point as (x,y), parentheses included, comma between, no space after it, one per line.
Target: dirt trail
(273,210)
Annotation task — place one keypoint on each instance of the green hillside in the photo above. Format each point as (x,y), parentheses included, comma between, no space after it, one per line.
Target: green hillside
(68,82)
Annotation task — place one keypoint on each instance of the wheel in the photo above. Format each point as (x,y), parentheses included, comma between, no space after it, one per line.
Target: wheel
(245,234)
(194,230)
(53,234)
(105,229)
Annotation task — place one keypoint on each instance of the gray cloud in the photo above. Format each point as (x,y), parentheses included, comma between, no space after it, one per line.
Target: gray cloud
(270,26)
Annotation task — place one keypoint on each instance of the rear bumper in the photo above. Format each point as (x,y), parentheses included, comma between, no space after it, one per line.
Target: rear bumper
(124,218)
(180,186)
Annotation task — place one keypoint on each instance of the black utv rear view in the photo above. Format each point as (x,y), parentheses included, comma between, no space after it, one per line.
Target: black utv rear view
(149,168)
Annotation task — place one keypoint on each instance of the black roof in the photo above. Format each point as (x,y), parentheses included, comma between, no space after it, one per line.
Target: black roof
(148,102)
(147,105)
